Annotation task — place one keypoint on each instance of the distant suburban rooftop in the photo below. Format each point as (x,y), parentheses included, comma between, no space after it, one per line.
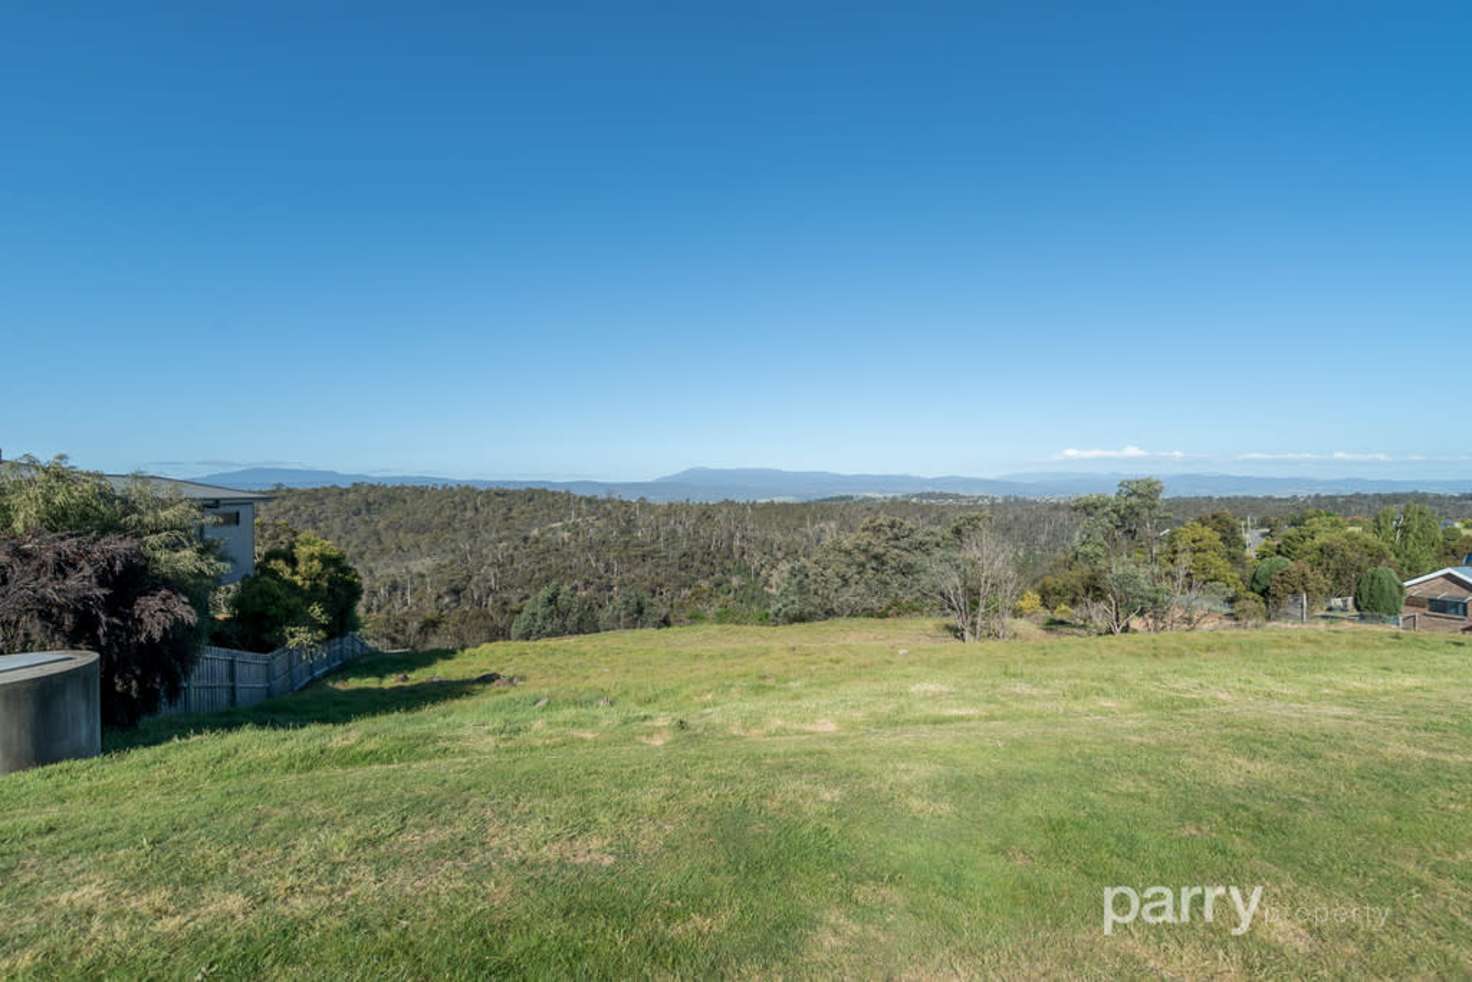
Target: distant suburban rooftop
(1463,573)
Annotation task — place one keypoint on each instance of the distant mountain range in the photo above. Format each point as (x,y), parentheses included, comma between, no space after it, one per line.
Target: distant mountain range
(765,484)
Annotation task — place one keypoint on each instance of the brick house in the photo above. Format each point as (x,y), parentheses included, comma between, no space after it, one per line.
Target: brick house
(1439,601)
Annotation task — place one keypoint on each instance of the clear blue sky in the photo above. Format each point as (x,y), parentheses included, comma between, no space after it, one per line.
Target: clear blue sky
(619,239)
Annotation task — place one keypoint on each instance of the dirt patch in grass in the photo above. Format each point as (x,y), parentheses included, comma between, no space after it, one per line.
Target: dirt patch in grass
(699,925)
(1287,933)
(929,807)
(877,895)
(591,851)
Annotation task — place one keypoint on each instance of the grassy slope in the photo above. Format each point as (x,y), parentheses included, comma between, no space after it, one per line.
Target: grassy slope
(800,800)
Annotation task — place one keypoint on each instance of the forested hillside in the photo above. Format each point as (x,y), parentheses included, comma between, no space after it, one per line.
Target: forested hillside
(453,566)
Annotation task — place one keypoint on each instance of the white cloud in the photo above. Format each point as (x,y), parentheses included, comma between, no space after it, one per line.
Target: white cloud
(1128,452)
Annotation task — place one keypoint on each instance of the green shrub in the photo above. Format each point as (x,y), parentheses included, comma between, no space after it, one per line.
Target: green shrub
(554,612)
(736,613)
(798,598)
(262,608)
(1295,579)
(1249,609)
(327,580)
(1378,591)
(630,609)
(1262,575)
(303,592)
(1068,587)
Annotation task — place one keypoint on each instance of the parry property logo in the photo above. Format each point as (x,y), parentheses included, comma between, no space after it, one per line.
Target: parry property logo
(1166,905)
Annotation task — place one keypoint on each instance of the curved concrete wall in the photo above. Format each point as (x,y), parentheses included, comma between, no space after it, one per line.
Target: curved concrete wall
(50,708)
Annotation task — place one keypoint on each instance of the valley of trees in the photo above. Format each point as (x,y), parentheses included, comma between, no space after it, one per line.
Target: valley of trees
(457,566)
(125,571)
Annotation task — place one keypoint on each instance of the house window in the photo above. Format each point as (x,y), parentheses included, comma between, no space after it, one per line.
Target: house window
(226,517)
(1457,608)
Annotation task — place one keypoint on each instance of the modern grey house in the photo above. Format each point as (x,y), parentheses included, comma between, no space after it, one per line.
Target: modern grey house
(230,516)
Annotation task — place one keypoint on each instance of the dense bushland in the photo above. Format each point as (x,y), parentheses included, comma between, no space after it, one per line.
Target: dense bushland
(453,566)
(459,565)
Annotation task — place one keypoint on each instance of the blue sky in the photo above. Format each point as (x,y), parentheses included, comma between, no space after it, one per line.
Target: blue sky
(616,240)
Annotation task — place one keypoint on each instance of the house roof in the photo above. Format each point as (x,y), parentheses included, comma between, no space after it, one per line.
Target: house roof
(192,490)
(1463,573)
(187,489)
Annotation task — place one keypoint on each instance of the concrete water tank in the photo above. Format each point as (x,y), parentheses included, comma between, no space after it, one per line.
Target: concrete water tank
(50,708)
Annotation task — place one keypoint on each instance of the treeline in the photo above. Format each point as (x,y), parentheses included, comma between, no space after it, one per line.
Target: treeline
(1132,568)
(456,566)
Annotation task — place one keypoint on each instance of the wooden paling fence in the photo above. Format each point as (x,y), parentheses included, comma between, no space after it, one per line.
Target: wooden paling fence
(225,677)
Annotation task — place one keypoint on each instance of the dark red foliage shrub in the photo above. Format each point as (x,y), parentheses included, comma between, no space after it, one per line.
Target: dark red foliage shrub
(96,592)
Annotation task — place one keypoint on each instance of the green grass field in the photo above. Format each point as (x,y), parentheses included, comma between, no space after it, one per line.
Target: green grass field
(798,801)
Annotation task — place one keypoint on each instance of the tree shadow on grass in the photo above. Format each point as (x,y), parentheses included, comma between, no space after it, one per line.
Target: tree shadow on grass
(390,663)
(317,703)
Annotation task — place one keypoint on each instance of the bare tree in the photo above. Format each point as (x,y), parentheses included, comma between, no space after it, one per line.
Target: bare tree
(1184,603)
(1126,592)
(978,583)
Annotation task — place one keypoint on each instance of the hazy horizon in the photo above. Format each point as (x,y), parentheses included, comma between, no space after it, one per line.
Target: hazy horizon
(1309,470)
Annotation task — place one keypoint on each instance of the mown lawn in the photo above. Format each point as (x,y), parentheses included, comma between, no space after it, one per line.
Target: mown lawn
(853,798)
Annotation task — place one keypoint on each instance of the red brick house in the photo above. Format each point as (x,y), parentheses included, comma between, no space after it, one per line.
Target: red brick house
(1439,601)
